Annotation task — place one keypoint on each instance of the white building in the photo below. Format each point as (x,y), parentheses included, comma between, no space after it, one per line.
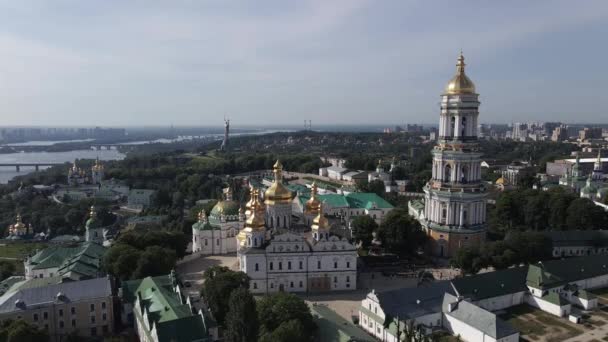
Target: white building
(140,198)
(465,306)
(216,234)
(280,256)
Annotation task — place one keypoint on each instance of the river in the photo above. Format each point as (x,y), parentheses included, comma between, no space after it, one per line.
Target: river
(8,173)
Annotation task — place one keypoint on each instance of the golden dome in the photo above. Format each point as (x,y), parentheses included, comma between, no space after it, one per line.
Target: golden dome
(97,166)
(312,205)
(320,222)
(277,192)
(256,219)
(202,216)
(252,194)
(460,83)
(18,228)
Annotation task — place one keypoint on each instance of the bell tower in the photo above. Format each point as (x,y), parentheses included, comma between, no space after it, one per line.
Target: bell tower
(455,207)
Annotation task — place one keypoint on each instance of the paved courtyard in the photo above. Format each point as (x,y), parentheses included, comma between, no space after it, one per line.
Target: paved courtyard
(192,267)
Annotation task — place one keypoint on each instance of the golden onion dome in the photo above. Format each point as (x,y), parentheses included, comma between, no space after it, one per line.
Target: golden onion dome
(98,166)
(312,205)
(252,195)
(277,192)
(320,222)
(18,223)
(256,219)
(460,83)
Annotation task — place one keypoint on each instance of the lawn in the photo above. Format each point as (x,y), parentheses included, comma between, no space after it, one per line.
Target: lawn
(19,250)
(534,324)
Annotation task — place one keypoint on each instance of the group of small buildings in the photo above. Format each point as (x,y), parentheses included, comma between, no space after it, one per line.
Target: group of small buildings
(82,184)
(65,291)
(467,306)
(352,177)
(585,176)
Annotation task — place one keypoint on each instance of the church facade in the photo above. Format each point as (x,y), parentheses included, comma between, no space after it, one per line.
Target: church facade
(215,234)
(278,256)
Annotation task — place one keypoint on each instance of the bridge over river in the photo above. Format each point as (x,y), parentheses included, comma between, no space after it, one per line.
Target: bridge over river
(37,166)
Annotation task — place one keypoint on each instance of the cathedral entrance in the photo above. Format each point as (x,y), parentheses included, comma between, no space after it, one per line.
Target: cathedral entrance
(319,284)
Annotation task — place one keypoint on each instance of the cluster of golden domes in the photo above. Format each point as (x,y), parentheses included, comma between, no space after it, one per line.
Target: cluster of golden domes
(460,83)
(18,228)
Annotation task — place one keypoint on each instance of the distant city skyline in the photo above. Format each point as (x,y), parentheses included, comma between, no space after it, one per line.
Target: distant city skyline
(356,62)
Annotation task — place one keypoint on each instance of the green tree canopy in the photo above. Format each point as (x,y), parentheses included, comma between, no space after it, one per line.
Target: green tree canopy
(219,284)
(242,317)
(277,310)
(21,331)
(363,227)
(154,261)
(400,233)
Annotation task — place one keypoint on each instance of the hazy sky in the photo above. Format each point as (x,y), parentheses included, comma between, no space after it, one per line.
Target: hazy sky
(262,62)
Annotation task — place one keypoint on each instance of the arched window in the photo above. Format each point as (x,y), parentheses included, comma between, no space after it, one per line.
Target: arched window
(452,125)
(464,174)
(463,127)
(447,173)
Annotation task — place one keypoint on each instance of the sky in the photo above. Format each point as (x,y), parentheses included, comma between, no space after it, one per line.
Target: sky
(277,62)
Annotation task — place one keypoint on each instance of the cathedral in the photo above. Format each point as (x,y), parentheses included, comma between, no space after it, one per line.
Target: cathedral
(215,234)
(281,255)
(78,176)
(454,213)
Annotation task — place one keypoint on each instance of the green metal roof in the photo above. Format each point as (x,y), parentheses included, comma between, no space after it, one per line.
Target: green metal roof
(83,259)
(585,295)
(174,321)
(367,200)
(334,328)
(555,273)
(355,200)
(554,298)
(491,284)
(203,226)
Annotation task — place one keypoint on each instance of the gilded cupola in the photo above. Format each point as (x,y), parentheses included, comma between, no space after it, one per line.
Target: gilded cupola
(313,203)
(277,193)
(98,166)
(460,83)
(256,220)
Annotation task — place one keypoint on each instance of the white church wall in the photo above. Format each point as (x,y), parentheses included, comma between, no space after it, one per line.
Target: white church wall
(465,331)
(548,307)
(501,302)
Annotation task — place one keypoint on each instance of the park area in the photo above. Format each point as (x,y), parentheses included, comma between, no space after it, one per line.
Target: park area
(16,251)
(536,325)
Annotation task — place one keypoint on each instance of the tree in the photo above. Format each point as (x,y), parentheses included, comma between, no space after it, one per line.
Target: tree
(121,260)
(400,233)
(289,331)
(219,284)
(7,269)
(242,319)
(280,308)
(21,331)
(376,186)
(363,227)
(583,214)
(467,259)
(155,261)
